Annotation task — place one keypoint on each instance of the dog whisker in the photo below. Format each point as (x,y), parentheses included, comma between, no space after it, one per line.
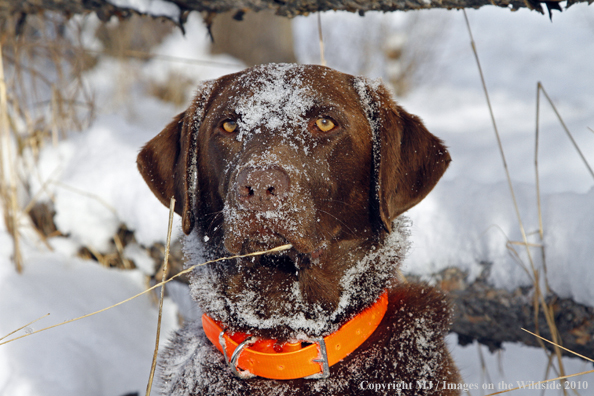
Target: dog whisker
(340,221)
(215,216)
(337,201)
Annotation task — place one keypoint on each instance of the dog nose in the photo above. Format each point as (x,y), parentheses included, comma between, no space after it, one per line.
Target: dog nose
(262,189)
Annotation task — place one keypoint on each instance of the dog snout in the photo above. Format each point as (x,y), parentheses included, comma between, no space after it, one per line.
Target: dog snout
(262,189)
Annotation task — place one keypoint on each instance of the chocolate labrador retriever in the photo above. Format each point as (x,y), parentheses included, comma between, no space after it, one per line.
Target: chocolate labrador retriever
(325,162)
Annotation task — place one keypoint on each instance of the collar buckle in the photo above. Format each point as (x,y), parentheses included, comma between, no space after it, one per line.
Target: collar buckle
(323,360)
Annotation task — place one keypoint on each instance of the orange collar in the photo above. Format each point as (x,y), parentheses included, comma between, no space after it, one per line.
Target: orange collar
(265,358)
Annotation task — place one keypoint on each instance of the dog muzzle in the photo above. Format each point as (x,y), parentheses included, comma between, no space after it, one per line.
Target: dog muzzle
(252,356)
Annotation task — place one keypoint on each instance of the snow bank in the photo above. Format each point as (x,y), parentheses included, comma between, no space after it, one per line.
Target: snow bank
(107,354)
(97,187)
(463,224)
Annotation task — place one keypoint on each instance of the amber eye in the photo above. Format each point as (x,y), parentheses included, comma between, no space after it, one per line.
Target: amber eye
(229,126)
(325,124)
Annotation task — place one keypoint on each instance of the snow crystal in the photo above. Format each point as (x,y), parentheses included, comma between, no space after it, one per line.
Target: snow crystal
(282,98)
(366,88)
(278,100)
(390,254)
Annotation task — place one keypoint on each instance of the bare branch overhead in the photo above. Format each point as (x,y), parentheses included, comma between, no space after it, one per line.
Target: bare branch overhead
(177,10)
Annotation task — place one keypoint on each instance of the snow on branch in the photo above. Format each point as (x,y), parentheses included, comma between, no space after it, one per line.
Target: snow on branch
(493,316)
(176,10)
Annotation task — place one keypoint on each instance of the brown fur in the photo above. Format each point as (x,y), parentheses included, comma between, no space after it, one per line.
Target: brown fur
(334,196)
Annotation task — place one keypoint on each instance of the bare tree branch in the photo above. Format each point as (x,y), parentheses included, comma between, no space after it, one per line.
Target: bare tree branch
(493,316)
(288,8)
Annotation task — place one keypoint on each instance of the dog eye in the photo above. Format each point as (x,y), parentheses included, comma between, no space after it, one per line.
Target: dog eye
(325,124)
(229,126)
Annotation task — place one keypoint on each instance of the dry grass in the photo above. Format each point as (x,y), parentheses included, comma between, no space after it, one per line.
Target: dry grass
(165,262)
(186,271)
(8,175)
(42,98)
(23,327)
(44,66)
(534,273)
(558,378)
(321,39)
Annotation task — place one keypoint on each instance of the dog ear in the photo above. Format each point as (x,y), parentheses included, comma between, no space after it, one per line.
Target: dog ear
(408,159)
(162,162)
(168,161)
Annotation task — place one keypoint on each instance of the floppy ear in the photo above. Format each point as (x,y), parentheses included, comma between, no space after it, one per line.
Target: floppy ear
(409,160)
(168,161)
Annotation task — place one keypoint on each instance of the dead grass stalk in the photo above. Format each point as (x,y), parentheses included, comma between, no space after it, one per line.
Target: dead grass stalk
(41,98)
(22,327)
(552,379)
(165,262)
(8,186)
(186,271)
(539,299)
(321,38)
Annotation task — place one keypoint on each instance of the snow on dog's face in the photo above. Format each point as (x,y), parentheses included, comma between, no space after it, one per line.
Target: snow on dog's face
(295,154)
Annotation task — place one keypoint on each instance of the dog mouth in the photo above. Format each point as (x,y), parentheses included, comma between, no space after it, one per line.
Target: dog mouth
(289,260)
(247,232)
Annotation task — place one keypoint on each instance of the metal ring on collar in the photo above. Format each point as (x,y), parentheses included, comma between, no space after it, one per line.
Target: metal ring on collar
(232,363)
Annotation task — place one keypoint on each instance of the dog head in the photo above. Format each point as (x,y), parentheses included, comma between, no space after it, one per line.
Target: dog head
(295,154)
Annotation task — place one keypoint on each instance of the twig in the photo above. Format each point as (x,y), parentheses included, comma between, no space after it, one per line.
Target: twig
(510,248)
(273,250)
(562,347)
(165,263)
(120,250)
(501,151)
(552,379)
(541,88)
(536,140)
(322,59)
(538,201)
(21,328)
(522,244)
(484,369)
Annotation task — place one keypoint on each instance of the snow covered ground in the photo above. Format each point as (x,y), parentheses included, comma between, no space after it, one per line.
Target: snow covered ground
(467,219)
